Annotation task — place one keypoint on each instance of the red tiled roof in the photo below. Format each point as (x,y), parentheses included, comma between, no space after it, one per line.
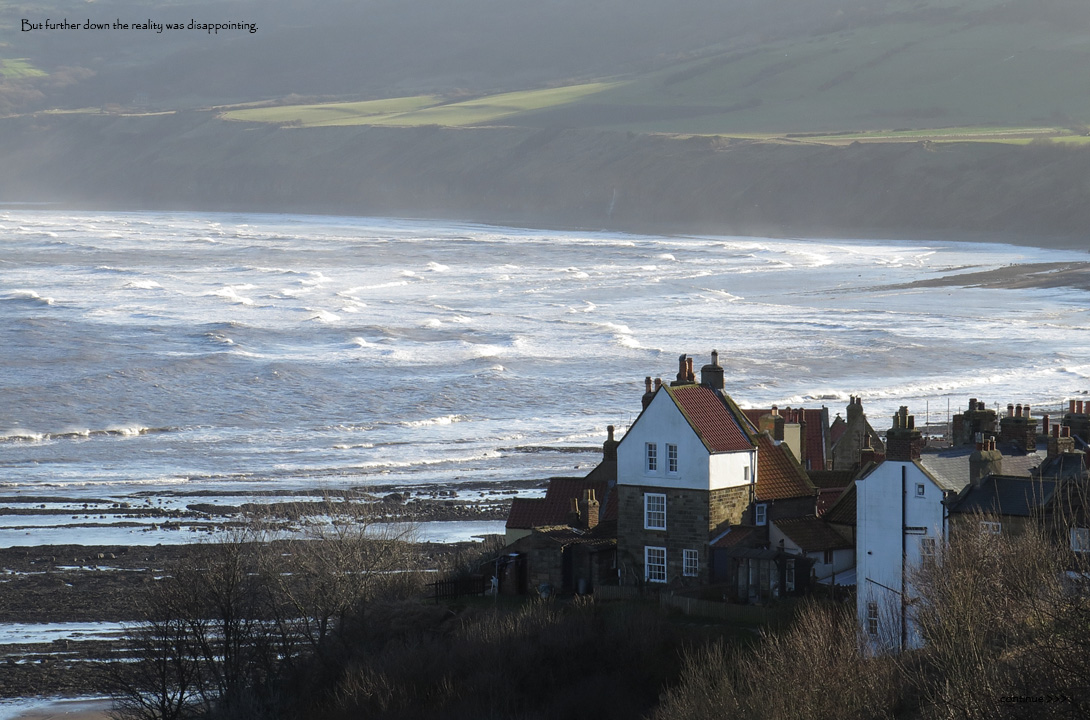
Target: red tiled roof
(526,513)
(843,510)
(815,443)
(836,430)
(827,497)
(710,418)
(811,534)
(555,507)
(779,474)
(734,537)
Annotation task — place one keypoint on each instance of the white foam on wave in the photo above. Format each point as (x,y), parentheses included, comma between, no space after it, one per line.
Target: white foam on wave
(438,267)
(28,295)
(576,273)
(141,285)
(323,316)
(442,420)
(230,295)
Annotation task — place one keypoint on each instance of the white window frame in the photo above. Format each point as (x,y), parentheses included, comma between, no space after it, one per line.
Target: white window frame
(928,547)
(760,514)
(651,457)
(690,563)
(654,564)
(991,528)
(654,511)
(671,458)
(872,618)
(1080,540)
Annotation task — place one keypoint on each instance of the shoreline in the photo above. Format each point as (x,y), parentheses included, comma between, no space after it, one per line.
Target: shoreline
(1071,274)
(555,178)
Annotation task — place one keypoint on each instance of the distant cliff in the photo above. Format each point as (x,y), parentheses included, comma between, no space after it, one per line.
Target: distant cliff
(1034,194)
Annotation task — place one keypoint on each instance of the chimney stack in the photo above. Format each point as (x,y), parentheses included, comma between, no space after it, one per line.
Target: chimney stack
(985,461)
(588,510)
(711,374)
(903,440)
(609,447)
(648,393)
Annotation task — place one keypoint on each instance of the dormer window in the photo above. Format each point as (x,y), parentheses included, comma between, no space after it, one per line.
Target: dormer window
(652,457)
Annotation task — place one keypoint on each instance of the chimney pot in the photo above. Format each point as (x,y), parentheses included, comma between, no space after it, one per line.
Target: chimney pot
(647,384)
(1044,425)
(1010,410)
(715,357)
(689,376)
(1071,406)
(1055,431)
(1018,410)
(1025,411)
(972,404)
(1079,408)
(1065,431)
(658,383)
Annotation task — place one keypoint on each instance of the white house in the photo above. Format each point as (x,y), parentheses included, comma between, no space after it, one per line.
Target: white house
(900,519)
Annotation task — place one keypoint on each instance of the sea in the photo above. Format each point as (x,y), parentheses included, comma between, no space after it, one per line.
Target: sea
(167,359)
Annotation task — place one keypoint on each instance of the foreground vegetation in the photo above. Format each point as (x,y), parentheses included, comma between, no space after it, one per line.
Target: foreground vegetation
(330,628)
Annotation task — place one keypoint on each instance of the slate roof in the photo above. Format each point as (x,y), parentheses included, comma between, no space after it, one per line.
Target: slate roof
(811,534)
(711,418)
(950,466)
(1004,495)
(779,474)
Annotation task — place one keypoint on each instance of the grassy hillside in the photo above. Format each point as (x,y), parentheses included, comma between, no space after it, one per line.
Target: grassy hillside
(732,67)
(925,66)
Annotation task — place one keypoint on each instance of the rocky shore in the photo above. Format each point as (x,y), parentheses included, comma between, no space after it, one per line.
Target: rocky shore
(63,608)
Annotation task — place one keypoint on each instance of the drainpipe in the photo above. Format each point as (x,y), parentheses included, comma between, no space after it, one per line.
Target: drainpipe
(904,552)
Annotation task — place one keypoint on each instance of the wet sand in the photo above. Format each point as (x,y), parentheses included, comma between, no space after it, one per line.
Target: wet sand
(1074,275)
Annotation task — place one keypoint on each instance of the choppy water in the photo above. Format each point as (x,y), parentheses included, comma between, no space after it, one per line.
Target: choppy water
(167,353)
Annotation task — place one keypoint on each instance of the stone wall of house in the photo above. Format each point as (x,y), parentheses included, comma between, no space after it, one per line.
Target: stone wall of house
(728,506)
(691,515)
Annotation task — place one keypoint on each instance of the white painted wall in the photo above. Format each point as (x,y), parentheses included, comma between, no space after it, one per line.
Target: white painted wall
(879,533)
(843,559)
(663,423)
(728,469)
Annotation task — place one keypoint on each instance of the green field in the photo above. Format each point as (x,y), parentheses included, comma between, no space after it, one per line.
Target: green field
(420,110)
(19,68)
(940,72)
(352,113)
